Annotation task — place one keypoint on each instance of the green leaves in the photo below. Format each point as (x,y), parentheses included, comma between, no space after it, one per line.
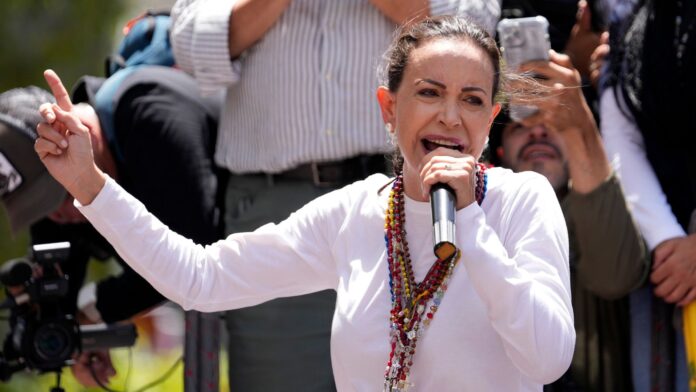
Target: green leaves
(72,37)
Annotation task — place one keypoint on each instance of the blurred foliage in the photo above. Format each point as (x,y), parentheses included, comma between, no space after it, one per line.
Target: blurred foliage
(73,37)
(11,246)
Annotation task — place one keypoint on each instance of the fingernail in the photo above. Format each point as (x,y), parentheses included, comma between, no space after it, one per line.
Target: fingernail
(64,143)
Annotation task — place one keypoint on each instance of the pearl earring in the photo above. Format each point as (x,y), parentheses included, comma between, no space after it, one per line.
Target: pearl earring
(390,133)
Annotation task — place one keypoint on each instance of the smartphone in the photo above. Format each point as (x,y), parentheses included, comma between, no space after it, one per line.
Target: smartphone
(523,40)
(599,12)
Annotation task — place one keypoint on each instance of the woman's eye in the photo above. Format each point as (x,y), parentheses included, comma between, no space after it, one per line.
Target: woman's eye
(428,92)
(474,100)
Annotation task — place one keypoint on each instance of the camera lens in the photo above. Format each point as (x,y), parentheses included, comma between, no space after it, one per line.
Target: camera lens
(516,38)
(53,342)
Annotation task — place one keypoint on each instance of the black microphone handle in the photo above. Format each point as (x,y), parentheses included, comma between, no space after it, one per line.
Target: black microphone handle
(103,336)
(442,202)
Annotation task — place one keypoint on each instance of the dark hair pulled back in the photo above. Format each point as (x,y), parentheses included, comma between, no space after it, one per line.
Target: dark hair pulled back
(412,36)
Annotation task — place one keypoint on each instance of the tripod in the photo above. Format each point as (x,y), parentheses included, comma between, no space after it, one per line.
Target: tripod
(57,387)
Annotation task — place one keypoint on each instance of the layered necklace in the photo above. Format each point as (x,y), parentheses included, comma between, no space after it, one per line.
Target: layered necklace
(413,304)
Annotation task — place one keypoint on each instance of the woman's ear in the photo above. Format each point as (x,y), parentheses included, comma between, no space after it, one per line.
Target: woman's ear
(386,101)
(494,114)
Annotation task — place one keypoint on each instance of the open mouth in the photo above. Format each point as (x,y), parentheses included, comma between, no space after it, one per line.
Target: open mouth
(432,144)
(539,151)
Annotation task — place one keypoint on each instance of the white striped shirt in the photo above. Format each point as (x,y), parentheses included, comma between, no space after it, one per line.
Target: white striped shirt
(306,91)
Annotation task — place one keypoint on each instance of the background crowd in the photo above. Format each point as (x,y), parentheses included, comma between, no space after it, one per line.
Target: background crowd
(627,192)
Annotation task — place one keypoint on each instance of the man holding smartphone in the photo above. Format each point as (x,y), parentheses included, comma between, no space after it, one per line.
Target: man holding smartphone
(608,258)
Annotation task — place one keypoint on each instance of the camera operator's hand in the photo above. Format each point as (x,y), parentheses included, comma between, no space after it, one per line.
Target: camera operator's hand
(100,363)
(64,145)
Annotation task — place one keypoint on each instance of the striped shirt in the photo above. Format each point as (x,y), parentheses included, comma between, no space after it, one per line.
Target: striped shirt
(306,91)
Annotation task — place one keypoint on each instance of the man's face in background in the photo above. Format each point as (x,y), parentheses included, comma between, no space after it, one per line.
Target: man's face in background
(534,149)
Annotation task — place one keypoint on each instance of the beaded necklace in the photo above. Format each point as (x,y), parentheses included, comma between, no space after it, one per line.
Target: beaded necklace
(413,304)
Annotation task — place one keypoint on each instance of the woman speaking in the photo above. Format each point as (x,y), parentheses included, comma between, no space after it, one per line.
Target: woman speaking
(495,315)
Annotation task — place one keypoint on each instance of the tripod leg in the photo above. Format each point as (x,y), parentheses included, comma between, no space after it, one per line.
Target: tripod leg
(58,388)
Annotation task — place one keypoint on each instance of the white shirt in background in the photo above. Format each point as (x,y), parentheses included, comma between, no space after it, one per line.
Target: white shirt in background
(306,91)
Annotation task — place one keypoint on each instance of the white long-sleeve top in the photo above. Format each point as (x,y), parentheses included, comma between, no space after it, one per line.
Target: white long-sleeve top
(305,91)
(626,149)
(504,324)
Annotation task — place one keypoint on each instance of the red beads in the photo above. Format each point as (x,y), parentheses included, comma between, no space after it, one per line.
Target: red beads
(410,299)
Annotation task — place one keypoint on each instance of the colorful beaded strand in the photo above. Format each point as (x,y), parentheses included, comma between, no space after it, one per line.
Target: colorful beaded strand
(413,305)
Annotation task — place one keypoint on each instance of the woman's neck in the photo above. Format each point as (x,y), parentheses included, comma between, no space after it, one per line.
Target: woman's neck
(413,186)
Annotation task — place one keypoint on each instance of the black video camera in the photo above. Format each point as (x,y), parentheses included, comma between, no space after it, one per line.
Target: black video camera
(43,336)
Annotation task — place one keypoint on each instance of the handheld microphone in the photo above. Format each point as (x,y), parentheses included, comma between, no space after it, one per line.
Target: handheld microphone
(442,201)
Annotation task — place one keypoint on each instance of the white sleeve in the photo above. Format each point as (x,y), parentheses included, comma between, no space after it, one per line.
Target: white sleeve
(523,278)
(291,258)
(625,149)
(484,12)
(87,302)
(199,34)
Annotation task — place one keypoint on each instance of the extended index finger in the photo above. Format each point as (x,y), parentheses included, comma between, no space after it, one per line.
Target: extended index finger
(58,90)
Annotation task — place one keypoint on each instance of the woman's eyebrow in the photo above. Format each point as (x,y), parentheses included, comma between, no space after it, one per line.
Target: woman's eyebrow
(473,88)
(444,87)
(435,82)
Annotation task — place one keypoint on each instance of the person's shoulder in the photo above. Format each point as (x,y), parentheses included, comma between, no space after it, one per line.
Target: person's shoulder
(160,72)
(364,198)
(367,187)
(516,197)
(503,182)
(367,190)
(167,79)
(166,97)
(176,86)
(504,177)
(378,179)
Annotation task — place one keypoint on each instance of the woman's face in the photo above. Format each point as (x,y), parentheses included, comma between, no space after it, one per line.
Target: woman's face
(444,100)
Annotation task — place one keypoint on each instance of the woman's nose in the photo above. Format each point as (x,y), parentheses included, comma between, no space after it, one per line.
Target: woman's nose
(449,115)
